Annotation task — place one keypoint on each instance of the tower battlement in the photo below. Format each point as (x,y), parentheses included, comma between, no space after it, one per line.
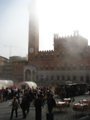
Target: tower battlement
(57,37)
(46,51)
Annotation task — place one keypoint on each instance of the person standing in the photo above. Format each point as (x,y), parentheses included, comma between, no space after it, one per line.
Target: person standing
(50,102)
(14,107)
(24,105)
(38,108)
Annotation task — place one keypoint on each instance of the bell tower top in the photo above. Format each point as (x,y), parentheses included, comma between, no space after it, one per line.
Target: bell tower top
(33,44)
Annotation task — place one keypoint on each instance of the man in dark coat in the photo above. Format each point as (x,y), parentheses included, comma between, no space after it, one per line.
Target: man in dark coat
(24,106)
(38,108)
(50,102)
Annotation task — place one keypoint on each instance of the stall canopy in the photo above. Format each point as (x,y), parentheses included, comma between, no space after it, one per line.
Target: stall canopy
(6,83)
(27,84)
(2,86)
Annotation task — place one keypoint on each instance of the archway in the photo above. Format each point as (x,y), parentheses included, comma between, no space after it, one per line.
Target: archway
(87,79)
(28,75)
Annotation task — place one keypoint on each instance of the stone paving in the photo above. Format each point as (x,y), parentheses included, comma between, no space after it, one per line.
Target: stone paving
(64,114)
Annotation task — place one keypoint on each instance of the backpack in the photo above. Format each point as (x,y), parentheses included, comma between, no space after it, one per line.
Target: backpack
(14,105)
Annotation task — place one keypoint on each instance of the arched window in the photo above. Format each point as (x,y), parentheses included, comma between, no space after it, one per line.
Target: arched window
(63,77)
(81,78)
(74,78)
(87,79)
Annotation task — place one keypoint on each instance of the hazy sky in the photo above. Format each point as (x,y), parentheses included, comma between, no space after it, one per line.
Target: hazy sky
(55,16)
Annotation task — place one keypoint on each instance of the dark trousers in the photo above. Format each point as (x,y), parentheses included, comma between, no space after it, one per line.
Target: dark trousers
(38,114)
(12,113)
(24,114)
(50,108)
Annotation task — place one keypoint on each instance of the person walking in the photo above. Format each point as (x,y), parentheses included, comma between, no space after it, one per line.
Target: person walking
(38,108)
(50,102)
(24,106)
(14,107)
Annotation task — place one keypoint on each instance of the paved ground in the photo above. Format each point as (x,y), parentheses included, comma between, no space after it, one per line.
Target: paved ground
(64,114)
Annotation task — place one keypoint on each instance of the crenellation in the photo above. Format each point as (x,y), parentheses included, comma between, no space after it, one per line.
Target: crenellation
(46,51)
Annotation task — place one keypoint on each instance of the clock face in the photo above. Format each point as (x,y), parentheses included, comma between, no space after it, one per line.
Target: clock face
(31,50)
(65,44)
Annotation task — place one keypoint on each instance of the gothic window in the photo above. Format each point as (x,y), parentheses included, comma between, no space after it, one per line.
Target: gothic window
(74,54)
(52,77)
(41,68)
(52,68)
(87,79)
(58,55)
(46,57)
(63,77)
(58,78)
(46,77)
(68,55)
(74,78)
(81,78)
(58,68)
(87,67)
(36,56)
(81,67)
(52,56)
(74,67)
(68,68)
(36,77)
(41,77)
(81,54)
(57,46)
(63,68)
(63,55)
(68,77)
(46,68)
(87,53)
(41,57)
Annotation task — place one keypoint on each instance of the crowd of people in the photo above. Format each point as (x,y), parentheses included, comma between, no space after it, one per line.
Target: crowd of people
(39,97)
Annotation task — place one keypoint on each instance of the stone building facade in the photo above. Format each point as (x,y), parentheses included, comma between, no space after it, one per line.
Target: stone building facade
(69,61)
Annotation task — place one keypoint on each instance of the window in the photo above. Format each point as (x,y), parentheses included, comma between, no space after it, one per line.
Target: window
(87,53)
(51,77)
(74,67)
(81,78)
(58,55)
(63,56)
(41,77)
(41,68)
(81,54)
(68,68)
(87,67)
(52,56)
(46,57)
(87,79)
(57,46)
(52,68)
(41,57)
(68,77)
(36,56)
(36,77)
(68,55)
(81,67)
(58,78)
(63,77)
(58,68)
(47,78)
(74,78)
(46,68)
(63,68)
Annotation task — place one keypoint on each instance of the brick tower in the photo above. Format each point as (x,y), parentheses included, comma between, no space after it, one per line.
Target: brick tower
(33,44)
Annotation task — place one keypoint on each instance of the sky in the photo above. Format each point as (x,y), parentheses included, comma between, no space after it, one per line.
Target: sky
(55,16)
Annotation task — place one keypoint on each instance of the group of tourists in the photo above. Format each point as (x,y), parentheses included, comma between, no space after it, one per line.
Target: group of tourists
(7,94)
(38,97)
